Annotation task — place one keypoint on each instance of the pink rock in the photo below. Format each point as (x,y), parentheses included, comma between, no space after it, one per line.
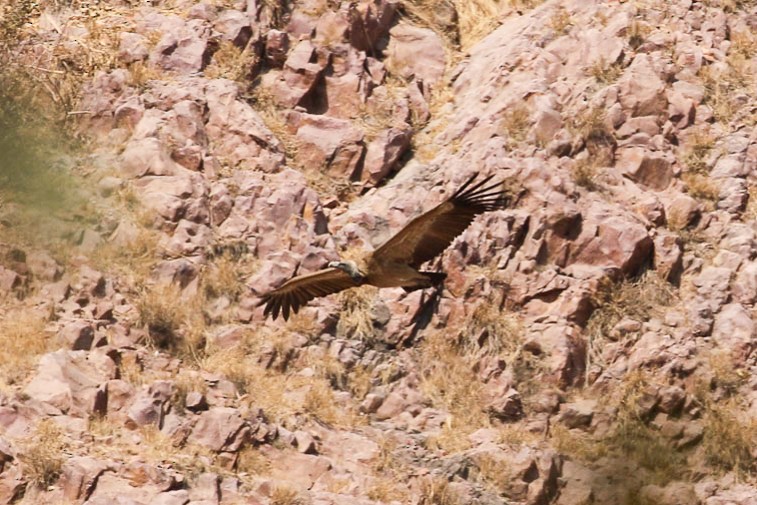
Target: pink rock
(331,28)
(744,287)
(79,476)
(681,211)
(132,47)
(170,197)
(148,407)
(120,395)
(733,329)
(220,428)
(78,334)
(406,42)
(43,266)
(183,46)
(9,280)
(112,488)
(276,48)
(305,442)
(147,156)
(681,110)
(177,497)
(332,145)
(382,154)
(69,380)
(234,26)
(12,485)
(371,20)
(205,490)
(646,167)
(668,255)
(577,414)
(642,92)
(507,407)
(239,135)
(298,78)
(614,242)
(300,471)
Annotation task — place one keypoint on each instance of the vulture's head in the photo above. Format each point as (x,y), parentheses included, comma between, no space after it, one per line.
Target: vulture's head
(348,266)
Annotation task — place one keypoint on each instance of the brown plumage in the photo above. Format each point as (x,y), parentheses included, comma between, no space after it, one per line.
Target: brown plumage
(395,263)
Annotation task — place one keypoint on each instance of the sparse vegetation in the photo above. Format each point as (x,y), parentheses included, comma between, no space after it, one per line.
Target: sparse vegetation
(284,495)
(561,21)
(437,491)
(730,437)
(606,73)
(172,321)
(230,62)
(516,122)
(637,33)
(356,318)
(22,341)
(43,453)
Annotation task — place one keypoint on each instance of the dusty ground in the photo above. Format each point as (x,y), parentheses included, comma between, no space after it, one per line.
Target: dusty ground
(163,163)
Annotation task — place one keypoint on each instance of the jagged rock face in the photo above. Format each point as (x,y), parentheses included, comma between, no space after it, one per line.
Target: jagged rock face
(591,343)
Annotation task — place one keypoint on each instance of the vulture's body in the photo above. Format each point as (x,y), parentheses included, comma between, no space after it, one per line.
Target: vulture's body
(397,261)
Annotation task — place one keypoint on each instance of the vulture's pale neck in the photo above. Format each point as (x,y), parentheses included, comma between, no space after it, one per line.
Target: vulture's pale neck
(348,266)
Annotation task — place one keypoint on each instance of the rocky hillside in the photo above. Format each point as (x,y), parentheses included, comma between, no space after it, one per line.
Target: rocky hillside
(163,163)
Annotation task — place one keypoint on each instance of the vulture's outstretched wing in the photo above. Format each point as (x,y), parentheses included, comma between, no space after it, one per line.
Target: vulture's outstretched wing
(428,235)
(296,292)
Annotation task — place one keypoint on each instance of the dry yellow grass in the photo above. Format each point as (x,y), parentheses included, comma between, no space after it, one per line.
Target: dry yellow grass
(284,495)
(697,147)
(730,437)
(449,383)
(42,453)
(606,73)
(230,62)
(22,340)
(437,491)
(173,321)
(516,122)
(637,299)
(355,318)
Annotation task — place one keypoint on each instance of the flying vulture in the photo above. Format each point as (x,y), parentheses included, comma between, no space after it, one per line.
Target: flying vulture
(396,262)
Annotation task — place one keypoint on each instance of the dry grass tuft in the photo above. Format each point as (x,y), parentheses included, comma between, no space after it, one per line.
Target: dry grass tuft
(638,299)
(702,188)
(386,490)
(561,21)
(264,103)
(489,330)
(437,491)
(577,443)
(495,472)
(231,62)
(697,148)
(606,73)
(356,314)
(634,439)
(637,33)
(283,495)
(730,438)
(585,172)
(223,276)
(517,122)
(42,453)
(173,322)
(450,384)
(253,462)
(698,183)
(22,340)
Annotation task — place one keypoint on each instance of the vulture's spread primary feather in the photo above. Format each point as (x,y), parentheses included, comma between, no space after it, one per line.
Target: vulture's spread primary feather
(395,263)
